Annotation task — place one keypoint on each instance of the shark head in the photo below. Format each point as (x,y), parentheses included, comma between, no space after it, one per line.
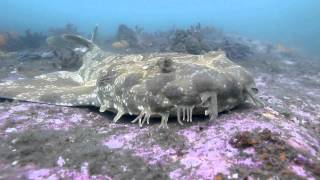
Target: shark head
(170,86)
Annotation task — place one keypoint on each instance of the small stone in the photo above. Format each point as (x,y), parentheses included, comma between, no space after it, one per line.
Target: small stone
(235,176)
(219,176)
(283,156)
(14,141)
(11,130)
(60,162)
(14,163)
(286,98)
(53,177)
(85,168)
(268,115)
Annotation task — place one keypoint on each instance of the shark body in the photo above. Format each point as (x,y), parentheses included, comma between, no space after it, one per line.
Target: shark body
(146,85)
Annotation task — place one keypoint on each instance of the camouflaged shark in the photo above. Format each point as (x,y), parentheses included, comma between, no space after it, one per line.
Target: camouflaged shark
(146,85)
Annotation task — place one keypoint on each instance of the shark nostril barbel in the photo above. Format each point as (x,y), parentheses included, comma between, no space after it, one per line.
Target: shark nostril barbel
(164,120)
(178,116)
(186,111)
(118,115)
(142,118)
(212,102)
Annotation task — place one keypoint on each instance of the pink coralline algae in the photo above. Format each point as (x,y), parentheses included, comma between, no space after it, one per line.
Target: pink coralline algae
(27,115)
(207,151)
(72,140)
(60,173)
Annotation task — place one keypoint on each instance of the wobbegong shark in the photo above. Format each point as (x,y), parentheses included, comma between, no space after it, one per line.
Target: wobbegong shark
(146,85)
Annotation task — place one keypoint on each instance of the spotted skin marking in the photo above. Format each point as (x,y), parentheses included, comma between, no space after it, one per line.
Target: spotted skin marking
(146,85)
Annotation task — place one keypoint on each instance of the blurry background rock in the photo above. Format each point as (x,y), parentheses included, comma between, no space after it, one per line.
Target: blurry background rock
(7,55)
(122,44)
(33,39)
(12,41)
(68,59)
(194,40)
(134,40)
(189,41)
(3,41)
(67,54)
(234,50)
(33,46)
(67,29)
(198,40)
(29,55)
(128,35)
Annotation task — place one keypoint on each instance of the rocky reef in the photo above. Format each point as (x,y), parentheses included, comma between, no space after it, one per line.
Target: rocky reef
(42,141)
(12,41)
(127,34)
(198,40)
(276,155)
(69,28)
(194,40)
(279,141)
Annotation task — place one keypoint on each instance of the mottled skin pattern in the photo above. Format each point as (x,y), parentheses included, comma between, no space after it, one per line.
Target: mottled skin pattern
(146,85)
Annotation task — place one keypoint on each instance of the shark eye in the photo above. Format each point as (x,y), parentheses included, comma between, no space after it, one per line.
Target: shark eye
(255,90)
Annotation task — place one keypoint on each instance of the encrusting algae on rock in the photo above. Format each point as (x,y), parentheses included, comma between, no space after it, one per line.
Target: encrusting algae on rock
(276,156)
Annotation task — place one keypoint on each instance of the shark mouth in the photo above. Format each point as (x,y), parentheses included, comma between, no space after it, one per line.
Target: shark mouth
(184,113)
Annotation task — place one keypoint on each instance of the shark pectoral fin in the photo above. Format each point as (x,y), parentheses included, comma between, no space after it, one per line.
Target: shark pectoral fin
(59,88)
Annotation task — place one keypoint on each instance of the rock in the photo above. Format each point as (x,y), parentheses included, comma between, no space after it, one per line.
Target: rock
(128,35)
(193,45)
(11,130)
(122,44)
(179,47)
(275,154)
(235,50)
(196,40)
(29,55)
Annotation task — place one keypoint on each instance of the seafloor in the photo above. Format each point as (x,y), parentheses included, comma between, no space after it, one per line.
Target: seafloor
(280,140)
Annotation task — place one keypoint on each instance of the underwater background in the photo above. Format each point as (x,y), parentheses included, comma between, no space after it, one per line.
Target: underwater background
(294,23)
(59,72)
